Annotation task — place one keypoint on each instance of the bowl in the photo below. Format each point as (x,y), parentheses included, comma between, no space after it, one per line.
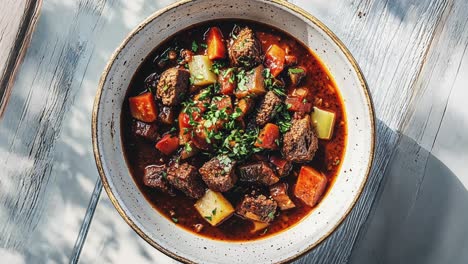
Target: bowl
(188,247)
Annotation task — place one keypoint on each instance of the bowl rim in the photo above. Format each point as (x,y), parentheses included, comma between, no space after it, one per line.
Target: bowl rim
(290,7)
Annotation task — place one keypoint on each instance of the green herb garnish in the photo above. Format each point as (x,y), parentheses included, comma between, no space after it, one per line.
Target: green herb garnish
(194,46)
(295,70)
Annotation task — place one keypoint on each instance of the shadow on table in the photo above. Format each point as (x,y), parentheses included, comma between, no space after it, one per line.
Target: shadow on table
(420,215)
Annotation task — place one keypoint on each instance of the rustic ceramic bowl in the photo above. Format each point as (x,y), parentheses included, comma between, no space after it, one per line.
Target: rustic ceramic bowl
(164,234)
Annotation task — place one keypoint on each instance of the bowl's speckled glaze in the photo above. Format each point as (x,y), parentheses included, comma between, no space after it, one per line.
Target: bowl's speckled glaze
(164,234)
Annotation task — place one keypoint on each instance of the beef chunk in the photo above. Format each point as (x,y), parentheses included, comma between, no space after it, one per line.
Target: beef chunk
(267,108)
(257,208)
(279,193)
(258,172)
(172,86)
(155,177)
(300,143)
(185,178)
(219,174)
(148,131)
(245,50)
(283,167)
(296,75)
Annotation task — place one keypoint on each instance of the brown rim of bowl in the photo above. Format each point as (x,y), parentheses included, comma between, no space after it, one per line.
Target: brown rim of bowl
(282,3)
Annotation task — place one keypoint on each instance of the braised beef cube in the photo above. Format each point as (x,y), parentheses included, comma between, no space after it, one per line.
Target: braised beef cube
(252,84)
(185,178)
(219,173)
(283,167)
(166,115)
(258,172)
(257,208)
(296,75)
(148,131)
(300,143)
(245,50)
(279,193)
(155,176)
(172,86)
(267,108)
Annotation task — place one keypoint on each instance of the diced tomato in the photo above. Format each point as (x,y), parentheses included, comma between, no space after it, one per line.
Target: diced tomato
(216,48)
(268,137)
(227,81)
(310,185)
(184,120)
(224,103)
(297,104)
(168,144)
(274,59)
(143,107)
(185,128)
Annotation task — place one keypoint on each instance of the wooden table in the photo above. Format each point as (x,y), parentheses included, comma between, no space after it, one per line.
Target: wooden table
(414,208)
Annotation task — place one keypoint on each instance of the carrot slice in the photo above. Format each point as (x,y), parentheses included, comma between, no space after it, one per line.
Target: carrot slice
(274,59)
(216,48)
(143,107)
(268,137)
(310,185)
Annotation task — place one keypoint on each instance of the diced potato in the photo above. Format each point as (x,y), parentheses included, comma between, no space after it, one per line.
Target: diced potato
(214,208)
(258,226)
(200,70)
(323,121)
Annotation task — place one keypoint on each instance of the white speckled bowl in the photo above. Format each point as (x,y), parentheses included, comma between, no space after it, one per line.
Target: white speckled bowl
(186,246)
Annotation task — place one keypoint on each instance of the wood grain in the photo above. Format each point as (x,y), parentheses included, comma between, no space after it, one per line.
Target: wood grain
(425,186)
(44,142)
(16,27)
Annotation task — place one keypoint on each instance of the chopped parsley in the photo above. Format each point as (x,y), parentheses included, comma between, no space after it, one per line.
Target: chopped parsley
(175,220)
(194,46)
(271,215)
(218,65)
(188,147)
(265,231)
(203,45)
(209,218)
(242,80)
(214,211)
(283,118)
(273,84)
(295,70)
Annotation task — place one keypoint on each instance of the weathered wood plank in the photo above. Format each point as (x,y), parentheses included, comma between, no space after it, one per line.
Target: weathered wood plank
(45,141)
(17,23)
(420,214)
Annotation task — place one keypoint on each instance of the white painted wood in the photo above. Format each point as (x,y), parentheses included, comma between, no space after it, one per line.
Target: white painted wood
(421,212)
(17,22)
(412,54)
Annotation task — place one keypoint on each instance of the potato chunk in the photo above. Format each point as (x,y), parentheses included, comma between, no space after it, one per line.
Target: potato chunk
(214,207)
(323,121)
(200,71)
(257,226)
